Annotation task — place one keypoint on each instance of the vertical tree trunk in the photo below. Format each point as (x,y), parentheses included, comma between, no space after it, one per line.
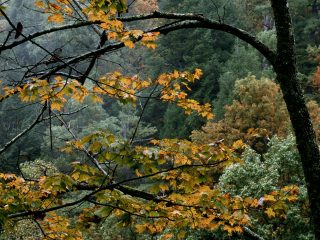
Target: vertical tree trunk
(286,71)
(314,7)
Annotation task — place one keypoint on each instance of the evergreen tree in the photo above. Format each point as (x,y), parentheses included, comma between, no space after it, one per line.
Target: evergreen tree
(187,50)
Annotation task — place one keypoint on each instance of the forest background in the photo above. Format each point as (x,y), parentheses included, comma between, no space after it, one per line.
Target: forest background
(256,163)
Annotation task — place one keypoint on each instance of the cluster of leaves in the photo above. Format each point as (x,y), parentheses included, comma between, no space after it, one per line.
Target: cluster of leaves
(257,113)
(57,91)
(172,91)
(179,173)
(119,86)
(115,85)
(253,178)
(59,9)
(104,12)
(20,195)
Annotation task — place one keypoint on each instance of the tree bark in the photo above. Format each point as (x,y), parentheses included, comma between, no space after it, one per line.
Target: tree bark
(286,71)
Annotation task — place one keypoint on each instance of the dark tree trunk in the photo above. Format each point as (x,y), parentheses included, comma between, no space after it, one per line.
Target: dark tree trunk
(286,70)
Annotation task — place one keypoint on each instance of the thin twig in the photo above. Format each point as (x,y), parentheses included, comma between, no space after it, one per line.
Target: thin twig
(17,137)
(142,112)
(94,160)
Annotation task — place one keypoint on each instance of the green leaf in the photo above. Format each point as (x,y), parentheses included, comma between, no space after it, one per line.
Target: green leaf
(104,212)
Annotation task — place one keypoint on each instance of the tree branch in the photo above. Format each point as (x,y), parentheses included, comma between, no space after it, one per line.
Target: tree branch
(189,21)
(47,31)
(119,186)
(199,21)
(252,234)
(208,24)
(32,125)
(93,159)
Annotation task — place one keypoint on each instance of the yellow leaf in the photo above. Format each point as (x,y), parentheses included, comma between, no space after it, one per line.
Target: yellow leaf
(210,116)
(292,198)
(270,212)
(238,229)
(181,235)
(125,81)
(95,146)
(129,43)
(228,228)
(57,18)
(163,187)
(151,45)
(197,73)
(56,105)
(96,99)
(167,236)
(39,4)
(138,173)
(63,1)
(99,90)
(175,74)
(269,198)
(112,35)
(58,78)
(238,144)
(67,149)
(75,175)
(140,228)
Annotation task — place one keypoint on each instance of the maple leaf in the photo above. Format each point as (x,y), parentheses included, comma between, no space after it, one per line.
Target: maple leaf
(57,18)
(269,198)
(56,105)
(167,236)
(228,228)
(269,211)
(129,43)
(63,1)
(39,4)
(54,6)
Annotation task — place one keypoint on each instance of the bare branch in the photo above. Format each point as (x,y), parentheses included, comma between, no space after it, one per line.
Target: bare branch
(94,160)
(190,21)
(252,234)
(47,31)
(141,114)
(103,39)
(32,125)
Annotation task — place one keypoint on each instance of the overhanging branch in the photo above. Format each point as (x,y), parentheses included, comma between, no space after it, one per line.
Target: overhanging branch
(199,21)
(189,20)
(26,130)
(208,24)
(47,31)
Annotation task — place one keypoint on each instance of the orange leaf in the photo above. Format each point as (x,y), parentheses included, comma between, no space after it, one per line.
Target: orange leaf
(57,18)
(39,4)
(129,43)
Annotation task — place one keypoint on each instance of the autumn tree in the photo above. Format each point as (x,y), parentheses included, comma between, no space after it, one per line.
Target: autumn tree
(257,113)
(257,106)
(182,195)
